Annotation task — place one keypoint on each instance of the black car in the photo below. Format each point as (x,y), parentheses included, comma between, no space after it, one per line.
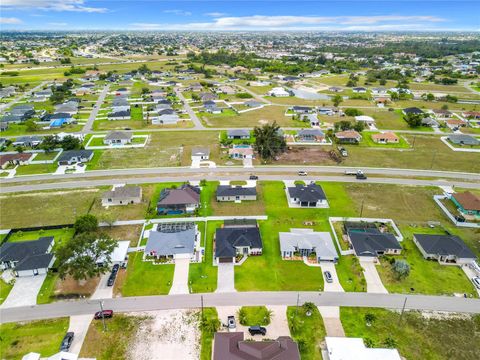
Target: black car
(67,341)
(115,268)
(257,330)
(111,280)
(253,177)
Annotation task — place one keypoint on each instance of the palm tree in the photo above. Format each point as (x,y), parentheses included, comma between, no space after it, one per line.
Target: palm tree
(269,141)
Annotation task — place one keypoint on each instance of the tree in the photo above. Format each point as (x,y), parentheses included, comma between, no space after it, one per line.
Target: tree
(359,126)
(269,142)
(353,112)
(413,120)
(369,318)
(401,269)
(86,223)
(78,257)
(394,96)
(430,97)
(70,142)
(31,125)
(145,90)
(337,99)
(49,143)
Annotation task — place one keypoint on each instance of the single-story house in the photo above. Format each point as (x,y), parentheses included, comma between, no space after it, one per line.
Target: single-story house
(326,111)
(15,159)
(386,137)
(118,138)
(428,121)
(348,137)
(7,92)
(119,115)
(179,201)
(225,89)
(467,202)
(28,141)
(70,107)
(12,118)
(359,90)
(412,110)
(59,119)
(119,255)
(232,346)
(172,243)
(122,195)
(165,119)
(211,107)
(231,241)
(455,123)
(310,135)
(301,109)
(278,92)
(241,152)
(444,248)
(120,101)
(471,114)
(442,114)
(253,103)
(462,139)
(24,111)
(308,196)
(379,91)
(370,242)
(344,348)
(70,157)
(200,153)
(28,258)
(305,242)
(236,193)
(238,134)
(204,97)
(335,89)
(120,108)
(368,120)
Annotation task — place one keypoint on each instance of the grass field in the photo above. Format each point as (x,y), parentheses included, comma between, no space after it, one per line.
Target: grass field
(206,337)
(44,337)
(36,169)
(60,235)
(367,141)
(254,315)
(308,331)
(4,290)
(414,336)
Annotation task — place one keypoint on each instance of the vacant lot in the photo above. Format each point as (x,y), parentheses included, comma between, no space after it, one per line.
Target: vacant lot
(307,155)
(202,277)
(415,336)
(44,337)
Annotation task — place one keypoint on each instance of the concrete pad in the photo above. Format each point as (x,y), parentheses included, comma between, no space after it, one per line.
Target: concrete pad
(335,285)
(374,283)
(226,278)
(79,326)
(180,277)
(25,291)
(278,323)
(470,274)
(331,320)
(247,163)
(103,291)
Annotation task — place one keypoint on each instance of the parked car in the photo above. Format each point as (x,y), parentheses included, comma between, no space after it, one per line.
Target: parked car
(257,330)
(231,324)
(343,151)
(115,268)
(253,177)
(302,173)
(103,314)
(328,276)
(67,341)
(476,282)
(111,280)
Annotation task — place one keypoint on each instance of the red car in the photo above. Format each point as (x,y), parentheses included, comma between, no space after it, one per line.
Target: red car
(106,314)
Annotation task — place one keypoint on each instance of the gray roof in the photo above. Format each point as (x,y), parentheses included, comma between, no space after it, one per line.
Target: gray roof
(118,135)
(463,139)
(12,118)
(28,139)
(238,132)
(310,132)
(253,103)
(444,245)
(320,242)
(413,110)
(171,243)
(119,113)
(18,251)
(309,193)
(227,239)
(227,190)
(370,244)
(123,192)
(200,151)
(69,154)
(35,262)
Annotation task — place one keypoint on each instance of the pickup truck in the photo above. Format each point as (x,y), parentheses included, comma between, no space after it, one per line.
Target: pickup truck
(358,174)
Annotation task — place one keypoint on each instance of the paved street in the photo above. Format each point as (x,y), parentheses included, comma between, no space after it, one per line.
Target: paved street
(196,121)
(96,108)
(146,303)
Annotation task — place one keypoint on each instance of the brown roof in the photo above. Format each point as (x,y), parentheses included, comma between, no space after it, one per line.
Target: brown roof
(348,134)
(184,195)
(231,346)
(468,200)
(386,135)
(12,157)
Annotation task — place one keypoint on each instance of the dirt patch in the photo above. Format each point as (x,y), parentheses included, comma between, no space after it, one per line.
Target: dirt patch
(48,193)
(167,335)
(71,288)
(119,281)
(127,232)
(307,155)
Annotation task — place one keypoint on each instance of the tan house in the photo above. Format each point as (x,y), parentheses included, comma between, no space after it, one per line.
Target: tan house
(385,138)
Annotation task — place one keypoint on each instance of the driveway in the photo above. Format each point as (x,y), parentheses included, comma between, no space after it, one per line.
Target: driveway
(374,284)
(79,326)
(25,291)
(247,163)
(335,285)
(226,278)
(103,291)
(470,274)
(331,320)
(180,277)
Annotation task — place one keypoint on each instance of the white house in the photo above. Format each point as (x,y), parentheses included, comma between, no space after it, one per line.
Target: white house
(278,92)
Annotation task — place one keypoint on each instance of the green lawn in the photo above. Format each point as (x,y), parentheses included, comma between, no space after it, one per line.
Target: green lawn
(60,235)
(4,290)
(36,169)
(144,278)
(44,337)
(308,331)
(368,141)
(254,315)
(136,113)
(46,156)
(206,337)
(350,274)
(45,295)
(414,336)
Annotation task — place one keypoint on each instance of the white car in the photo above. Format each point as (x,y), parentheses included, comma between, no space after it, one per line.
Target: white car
(476,282)
(302,173)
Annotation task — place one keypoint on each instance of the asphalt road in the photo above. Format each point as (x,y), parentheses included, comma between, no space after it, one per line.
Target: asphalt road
(96,108)
(146,303)
(21,97)
(196,121)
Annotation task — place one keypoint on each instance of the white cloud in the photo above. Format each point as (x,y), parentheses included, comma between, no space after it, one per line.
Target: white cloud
(215,14)
(10,20)
(178,12)
(261,22)
(51,5)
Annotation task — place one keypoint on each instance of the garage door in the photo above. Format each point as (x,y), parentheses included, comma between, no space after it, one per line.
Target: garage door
(225,260)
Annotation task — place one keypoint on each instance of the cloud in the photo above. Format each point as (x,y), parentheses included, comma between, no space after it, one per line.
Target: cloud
(215,14)
(270,23)
(51,5)
(10,21)
(178,12)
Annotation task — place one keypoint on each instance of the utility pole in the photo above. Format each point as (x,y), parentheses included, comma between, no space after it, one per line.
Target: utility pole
(298,300)
(361,209)
(103,316)
(403,310)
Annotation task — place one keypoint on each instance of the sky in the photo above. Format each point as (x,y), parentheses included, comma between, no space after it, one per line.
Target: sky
(244,15)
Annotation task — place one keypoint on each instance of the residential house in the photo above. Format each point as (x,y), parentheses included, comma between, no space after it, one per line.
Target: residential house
(454,124)
(348,137)
(3,125)
(311,118)
(232,346)
(179,201)
(28,258)
(42,95)
(241,152)
(463,139)
(204,97)
(195,87)
(14,119)
(225,89)
(369,242)
(367,120)
(412,110)
(326,111)
(306,242)
(119,115)
(236,193)
(335,89)
(70,107)
(27,141)
(122,91)
(238,134)
(307,196)
(301,109)
(122,195)
(235,240)
(165,118)
(310,135)
(359,90)
(15,159)
(429,121)
(253,103)
(446,249)
(211,107)
(441,114)
(171,242)
(467,203)
(379,91)
(23,112)
(118,138)
(386,137)
(7,91)
(71,157)
(278,92)
(200,153)
(471,114)
(344,348)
